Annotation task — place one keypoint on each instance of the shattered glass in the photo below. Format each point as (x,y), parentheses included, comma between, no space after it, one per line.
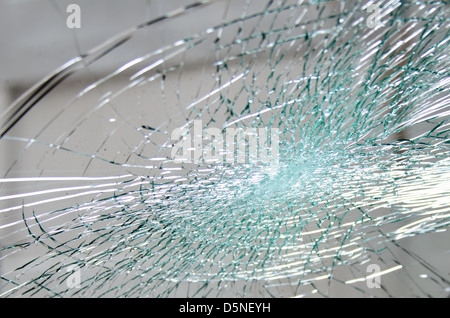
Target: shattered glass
(89,185)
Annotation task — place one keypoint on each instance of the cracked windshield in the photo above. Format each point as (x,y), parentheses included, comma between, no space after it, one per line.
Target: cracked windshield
(225,148)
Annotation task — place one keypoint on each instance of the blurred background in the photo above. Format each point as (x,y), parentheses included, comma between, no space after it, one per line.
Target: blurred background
(36,40)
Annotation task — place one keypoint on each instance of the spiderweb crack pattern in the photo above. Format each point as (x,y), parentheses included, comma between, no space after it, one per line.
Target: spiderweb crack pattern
(362,178)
